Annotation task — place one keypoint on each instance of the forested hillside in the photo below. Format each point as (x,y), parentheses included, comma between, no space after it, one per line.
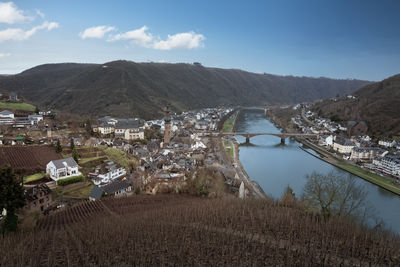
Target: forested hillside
(124,88)
(378,104)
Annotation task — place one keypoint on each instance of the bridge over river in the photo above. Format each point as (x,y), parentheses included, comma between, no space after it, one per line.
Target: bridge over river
(282,136)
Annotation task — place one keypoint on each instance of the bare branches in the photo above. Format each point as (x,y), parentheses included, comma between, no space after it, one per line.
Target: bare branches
(334,194)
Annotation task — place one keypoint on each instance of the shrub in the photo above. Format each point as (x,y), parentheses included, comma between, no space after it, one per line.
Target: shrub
(71,180)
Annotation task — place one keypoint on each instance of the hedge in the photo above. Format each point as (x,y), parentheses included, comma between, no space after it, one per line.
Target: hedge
(71,180)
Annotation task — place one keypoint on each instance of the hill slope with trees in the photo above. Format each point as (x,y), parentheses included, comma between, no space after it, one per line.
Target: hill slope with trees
(125,88)
(378,104)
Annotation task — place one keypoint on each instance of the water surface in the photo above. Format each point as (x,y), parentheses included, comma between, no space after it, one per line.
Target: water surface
(275,166)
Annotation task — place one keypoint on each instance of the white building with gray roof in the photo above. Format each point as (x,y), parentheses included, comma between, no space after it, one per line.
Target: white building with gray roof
(62,168)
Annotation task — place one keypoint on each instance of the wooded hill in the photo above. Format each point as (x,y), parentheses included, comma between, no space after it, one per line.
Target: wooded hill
(125,88)
(169,230)
(378,104)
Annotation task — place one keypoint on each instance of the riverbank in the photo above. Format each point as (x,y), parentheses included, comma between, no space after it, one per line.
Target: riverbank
(376,179)
(231,153)
(353,169)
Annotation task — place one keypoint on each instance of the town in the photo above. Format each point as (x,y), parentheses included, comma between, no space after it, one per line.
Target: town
(61,162)
(350,142)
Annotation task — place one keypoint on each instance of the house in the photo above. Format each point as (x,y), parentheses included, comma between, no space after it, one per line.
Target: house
(387,143)
(104,128)
(326,140)
(6,114)
(388,164)
(62,168)
(117,189)
(13,96)
(35,119)
(107,172)
(130,129)
(6,117)
(364,153)
(38,197)
(342,145)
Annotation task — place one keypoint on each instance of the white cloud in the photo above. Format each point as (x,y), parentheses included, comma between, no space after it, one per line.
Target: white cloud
(18,34)
(96,32)
(9,13)
(4,55)
(184,40)
(138,37)
(39,13)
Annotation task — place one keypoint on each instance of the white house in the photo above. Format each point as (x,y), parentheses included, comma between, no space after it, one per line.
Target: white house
(62,168)
(387,143)
(35,119)
(364,153)
(5,114)
(388,164)
(108,172)
(326,140)
(6,117)
(104,128)
(343,146)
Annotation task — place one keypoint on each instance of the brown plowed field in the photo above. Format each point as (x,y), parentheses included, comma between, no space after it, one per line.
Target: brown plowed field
(27,160)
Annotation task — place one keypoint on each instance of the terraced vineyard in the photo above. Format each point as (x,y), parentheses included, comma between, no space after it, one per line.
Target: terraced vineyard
(188,231)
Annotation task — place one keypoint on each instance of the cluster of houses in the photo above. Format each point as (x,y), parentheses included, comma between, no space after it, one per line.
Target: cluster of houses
(352,142)
(9,118)
(162,162)
(128,129)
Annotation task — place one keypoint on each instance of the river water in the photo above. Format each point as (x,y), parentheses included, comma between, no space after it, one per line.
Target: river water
(275,166)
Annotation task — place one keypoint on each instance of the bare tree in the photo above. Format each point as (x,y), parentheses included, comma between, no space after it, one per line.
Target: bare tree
(335,194)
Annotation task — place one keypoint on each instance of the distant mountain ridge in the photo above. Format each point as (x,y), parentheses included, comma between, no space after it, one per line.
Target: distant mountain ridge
(125,88)
(378,104)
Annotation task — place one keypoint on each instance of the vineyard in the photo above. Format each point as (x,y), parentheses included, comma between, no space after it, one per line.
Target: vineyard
(27,160)
(190,231)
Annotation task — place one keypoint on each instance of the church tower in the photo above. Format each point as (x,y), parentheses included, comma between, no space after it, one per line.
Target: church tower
(167,127)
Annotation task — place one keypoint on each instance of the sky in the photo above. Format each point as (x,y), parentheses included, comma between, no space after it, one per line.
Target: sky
(323,38)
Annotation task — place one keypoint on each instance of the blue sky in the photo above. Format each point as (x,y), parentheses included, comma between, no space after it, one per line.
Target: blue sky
(338,39)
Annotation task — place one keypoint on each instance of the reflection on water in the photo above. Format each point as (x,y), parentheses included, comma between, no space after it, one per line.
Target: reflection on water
(274,166)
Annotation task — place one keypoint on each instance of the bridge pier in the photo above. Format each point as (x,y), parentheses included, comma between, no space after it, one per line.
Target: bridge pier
(283,140)
(247,139)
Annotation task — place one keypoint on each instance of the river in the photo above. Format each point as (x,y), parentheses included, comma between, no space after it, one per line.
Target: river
(275,166)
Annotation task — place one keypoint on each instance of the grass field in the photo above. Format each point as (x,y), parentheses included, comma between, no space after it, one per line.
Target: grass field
(119,157)
(369,176)
(17,106)
(34,177)
(81,192)
(78,190)
(372,177)
(228,125)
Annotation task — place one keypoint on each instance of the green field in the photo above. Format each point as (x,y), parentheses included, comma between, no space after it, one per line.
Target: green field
(34,177)
(362,173)
(228,125)
(17,106)
(120,157)
(372,177)
(79,190)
